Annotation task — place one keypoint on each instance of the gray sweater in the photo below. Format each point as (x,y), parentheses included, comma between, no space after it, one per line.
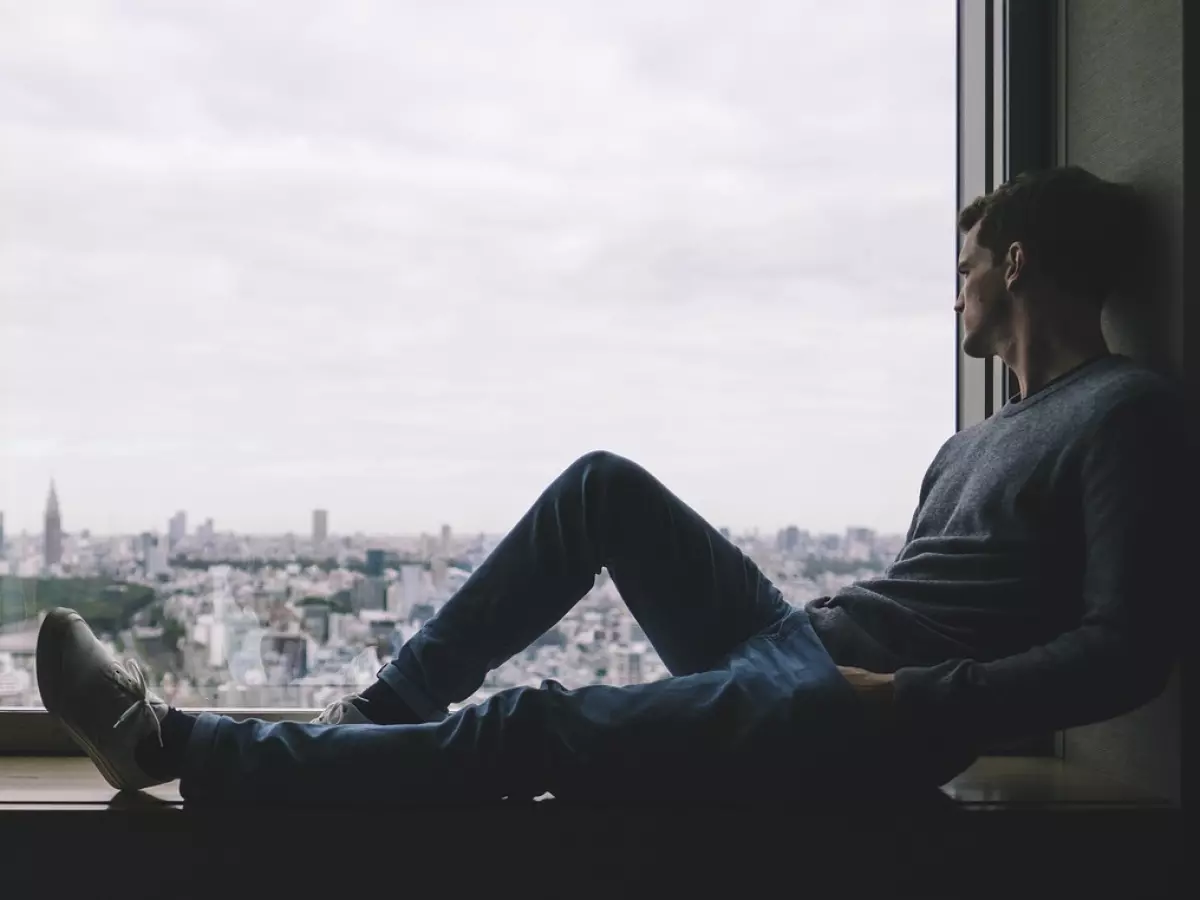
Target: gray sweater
(1041,582)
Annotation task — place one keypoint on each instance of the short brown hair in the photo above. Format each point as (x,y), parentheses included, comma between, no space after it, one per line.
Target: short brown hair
(1079,231)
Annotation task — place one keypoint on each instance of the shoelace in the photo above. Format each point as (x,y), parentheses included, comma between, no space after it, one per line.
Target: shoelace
(137,684)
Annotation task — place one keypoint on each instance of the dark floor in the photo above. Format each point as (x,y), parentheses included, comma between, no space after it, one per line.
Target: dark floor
(1031,826)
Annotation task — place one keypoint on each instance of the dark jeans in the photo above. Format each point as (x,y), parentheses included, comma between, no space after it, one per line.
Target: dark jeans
(753,703)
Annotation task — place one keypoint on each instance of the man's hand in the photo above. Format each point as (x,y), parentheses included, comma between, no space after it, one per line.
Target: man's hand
(876,689)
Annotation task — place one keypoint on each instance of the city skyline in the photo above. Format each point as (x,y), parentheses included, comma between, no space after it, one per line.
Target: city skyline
(408,261)
(244,623)
(53,519)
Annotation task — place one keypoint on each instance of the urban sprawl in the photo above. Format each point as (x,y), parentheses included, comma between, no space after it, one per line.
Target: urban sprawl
(226,620)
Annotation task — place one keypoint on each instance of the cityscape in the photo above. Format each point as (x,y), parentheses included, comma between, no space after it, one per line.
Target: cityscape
(237,621)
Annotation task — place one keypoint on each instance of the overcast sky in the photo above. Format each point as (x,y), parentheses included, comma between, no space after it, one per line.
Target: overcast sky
(407,260)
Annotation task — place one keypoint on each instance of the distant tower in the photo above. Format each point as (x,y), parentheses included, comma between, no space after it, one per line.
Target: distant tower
(176,529)
(1,533)
(320,525)
(788,539)
(52,549)
(374,565)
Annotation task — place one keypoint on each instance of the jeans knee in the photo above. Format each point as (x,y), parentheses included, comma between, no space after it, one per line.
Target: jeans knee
(611,489)
(605,466)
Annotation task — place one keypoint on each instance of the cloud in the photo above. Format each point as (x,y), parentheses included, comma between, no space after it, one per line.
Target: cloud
(429,245)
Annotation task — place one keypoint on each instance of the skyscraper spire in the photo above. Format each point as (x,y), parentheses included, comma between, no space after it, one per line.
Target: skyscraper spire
(52,535)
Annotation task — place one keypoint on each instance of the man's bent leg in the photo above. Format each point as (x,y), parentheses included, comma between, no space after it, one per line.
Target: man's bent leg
(777,712)
(696,595)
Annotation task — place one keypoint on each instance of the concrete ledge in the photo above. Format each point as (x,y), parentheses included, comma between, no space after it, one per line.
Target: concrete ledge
(993,783)
(1007,782)
(1051,830)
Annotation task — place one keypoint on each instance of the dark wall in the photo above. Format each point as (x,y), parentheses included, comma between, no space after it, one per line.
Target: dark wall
(1123,117)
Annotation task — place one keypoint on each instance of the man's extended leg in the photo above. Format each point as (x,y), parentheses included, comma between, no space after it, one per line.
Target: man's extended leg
(774,720)
(693,592)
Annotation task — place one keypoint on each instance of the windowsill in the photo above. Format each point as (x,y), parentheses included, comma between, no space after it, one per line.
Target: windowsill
(42,768)
(1115,842)
(993,783)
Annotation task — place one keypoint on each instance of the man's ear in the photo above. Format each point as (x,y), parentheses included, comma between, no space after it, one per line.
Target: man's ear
(1014,264)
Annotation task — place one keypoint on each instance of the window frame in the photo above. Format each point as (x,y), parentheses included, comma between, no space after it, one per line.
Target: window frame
(1007,121)
(1011,86)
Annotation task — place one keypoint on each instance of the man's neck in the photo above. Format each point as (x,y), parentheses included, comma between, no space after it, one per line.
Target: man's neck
(1037,358)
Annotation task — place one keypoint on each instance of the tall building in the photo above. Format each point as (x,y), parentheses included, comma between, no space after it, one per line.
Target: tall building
(1,532)
(789,539)
(157,556)
(143,546)
(176,529)
(395,600)
(447,534)
(859,545)
(374,564)
(52,547)
(438,569)
(320,525)
(288,651)
(626,666)
(369,593)
(412,579)
(316,619)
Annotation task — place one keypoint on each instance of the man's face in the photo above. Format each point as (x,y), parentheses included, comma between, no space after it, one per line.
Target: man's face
(983,301)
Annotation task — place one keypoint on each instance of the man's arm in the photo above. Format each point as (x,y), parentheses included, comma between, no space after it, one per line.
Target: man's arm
(1134,482)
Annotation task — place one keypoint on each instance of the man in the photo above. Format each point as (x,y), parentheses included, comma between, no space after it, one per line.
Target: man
(1034,592)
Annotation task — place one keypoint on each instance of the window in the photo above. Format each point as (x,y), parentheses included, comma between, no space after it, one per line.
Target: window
(304,307)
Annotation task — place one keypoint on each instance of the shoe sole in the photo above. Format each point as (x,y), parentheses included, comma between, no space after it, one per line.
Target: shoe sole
(49,665)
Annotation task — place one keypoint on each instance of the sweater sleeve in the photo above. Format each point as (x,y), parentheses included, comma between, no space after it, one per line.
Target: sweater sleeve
(1133,479)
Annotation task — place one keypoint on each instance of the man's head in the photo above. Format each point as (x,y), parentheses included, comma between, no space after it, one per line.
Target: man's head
(1042,251)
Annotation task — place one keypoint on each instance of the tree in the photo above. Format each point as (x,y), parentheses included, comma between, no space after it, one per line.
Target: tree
(107,605)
